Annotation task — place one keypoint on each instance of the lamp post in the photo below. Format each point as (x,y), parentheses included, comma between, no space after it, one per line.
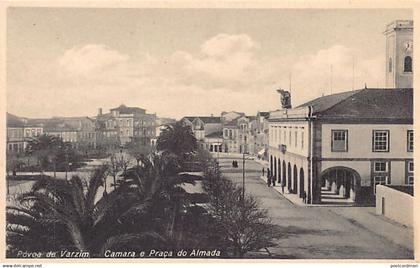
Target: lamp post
(243,169)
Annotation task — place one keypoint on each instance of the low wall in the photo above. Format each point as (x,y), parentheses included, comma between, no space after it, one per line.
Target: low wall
(394,204)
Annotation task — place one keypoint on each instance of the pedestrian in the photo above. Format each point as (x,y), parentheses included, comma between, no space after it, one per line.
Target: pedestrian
(268,172)
(273,179)
(304,197)
(282,188)
(263,171)
(233,163)
(268,181)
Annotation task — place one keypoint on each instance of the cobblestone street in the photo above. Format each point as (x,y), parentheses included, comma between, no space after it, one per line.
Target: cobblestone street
(323,232)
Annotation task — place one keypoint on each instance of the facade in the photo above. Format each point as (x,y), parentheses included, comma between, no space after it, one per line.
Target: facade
(61,129)
(15,139)
(399,54)
(203,127)
(261,134)
(239,135)
(344,143)
(131,123)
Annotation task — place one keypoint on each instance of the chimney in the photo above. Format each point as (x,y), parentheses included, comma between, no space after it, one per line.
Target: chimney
(100,111)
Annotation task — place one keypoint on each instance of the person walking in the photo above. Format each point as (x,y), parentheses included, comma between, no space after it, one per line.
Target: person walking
(273,180)
(268,181)
(304,197)
(282,188)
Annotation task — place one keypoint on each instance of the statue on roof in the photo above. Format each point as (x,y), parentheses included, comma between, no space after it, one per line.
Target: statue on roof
(285,99)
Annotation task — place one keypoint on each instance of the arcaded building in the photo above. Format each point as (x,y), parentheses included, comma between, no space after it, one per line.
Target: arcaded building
(347,143)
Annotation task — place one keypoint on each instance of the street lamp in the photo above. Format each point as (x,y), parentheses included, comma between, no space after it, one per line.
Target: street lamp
(243,169)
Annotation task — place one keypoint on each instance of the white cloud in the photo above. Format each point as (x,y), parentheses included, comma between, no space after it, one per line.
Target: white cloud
(90,60)
(227,74)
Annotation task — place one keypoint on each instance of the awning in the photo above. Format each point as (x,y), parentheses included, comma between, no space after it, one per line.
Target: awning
(261,152)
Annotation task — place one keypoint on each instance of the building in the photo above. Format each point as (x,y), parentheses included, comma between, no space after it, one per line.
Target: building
(261,134)
(85,128)
(203,128)
(239,135)
(15,139)
(345,144)
(132,123)
(399,54)
(59,128)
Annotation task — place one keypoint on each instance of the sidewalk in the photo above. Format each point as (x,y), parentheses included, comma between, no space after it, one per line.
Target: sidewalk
(364,217)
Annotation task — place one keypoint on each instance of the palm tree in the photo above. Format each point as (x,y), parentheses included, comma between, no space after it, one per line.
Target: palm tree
(160,196)
(46,148)
(85,222)
(178,139)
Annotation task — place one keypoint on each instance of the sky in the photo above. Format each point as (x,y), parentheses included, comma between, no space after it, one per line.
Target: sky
(186,62)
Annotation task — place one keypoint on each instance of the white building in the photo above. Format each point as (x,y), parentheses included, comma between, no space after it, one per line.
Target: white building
(347,143)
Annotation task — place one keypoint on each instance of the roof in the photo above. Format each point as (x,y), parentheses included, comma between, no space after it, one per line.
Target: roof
(264,114)
(205,119)
(14,121)
(325,102)
(369,103)
(58,126)
(128,110)
(217,134)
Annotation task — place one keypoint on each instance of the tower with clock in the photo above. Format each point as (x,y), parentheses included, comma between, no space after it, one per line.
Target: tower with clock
(399,54)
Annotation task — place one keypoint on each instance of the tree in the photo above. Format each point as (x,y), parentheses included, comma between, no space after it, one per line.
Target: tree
(178,139)
(138,149)
(47,149)
(59,214)
(242,224)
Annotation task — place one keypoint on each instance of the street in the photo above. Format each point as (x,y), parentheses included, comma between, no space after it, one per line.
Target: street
(322,232)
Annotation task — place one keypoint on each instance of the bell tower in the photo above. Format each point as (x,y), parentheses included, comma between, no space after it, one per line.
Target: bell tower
(399,54)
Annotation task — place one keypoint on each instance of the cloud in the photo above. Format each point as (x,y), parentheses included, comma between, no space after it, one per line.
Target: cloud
(227,73)
(224,45)
(90,60)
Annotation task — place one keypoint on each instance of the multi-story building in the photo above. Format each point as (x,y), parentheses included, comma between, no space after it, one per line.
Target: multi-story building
(204,129)
(261,135)
(61,129)
(239,135)
(131,123)
(15,136)
(347,143)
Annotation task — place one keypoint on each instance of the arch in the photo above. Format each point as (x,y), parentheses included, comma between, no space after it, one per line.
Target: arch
(271,165)
(408,64)
(295,179)
(344,181)
(289,177)
(279,171)
(301,182)
(274,170)
(283,179)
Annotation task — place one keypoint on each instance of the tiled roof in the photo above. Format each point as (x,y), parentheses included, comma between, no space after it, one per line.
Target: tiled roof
(325,102)
(128,110)
(205,119)
(14,121)
(217,134)
(369,103)
(264,114)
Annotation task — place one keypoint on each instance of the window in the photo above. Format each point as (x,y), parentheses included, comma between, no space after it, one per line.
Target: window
(296,139)
(380,141)
(410,180)
(290,137)
(303,139)
(390,65)
(410,166)
(408,64)
(410,140)
(380,167)
(339,140)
